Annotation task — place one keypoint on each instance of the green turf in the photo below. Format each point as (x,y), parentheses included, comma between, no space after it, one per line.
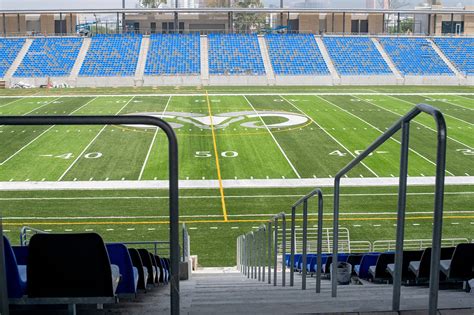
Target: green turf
(336,128)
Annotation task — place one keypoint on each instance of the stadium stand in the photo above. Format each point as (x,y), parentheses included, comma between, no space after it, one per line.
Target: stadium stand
(112,55)
(408,256)
(421,268)
(353,55)
(378,272)
(120,256)
(173,54)
(235,54)
(142,270)
(147,262)
(295,54)
(48,57)
(460,52)
(9,49)
(414,56)
(461,265)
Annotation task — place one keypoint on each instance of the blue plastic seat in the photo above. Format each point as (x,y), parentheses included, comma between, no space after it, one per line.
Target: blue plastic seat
(119,255)
(368,260)
(16,274)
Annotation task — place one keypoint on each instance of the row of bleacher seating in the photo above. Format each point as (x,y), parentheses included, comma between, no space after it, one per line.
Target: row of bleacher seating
(236,54)
(456,264)
(78,267)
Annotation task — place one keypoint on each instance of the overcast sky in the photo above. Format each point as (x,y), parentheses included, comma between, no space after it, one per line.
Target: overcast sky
(111,4)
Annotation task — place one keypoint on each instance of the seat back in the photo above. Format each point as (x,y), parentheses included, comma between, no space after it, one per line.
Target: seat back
(21,254)
(367,261)
(119,255)
(425,261)
(15,288)
(354,259)
(146,260)
(410,255)
(381,266)
(68,265)
(462,262)
(155,264)
(137,262)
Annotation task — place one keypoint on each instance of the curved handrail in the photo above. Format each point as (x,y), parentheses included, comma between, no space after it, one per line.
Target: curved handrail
(304,200)
(23,234)
(173,181)
(250,248)
(275,219)
(404,124)
(262,229)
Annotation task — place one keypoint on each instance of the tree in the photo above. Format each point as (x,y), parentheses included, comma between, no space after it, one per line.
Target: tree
(244,22)
(152,4)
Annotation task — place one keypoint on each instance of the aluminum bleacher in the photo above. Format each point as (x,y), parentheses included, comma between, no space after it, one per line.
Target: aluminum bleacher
(460,51)
(295,54)
(235,54)
(9,49)
(173,54)
(414,56)
(353,55)
(112,55)
(54,56)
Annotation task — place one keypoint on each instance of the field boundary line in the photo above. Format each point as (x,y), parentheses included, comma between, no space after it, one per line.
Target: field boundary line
(224,221)
(90,143)
(381,131)
(274,139)
(229,183)
(417,122)
(44,132)
(152,142)
(249,94)
(219,177)
(329,134)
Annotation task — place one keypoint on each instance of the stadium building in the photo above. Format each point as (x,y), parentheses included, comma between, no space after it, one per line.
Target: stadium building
(237,157)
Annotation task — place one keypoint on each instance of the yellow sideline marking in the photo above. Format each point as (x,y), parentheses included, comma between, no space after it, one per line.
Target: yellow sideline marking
(219,221)
(221,187)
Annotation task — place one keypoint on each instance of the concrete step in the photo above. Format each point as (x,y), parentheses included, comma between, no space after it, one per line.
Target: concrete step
(86,43)
(140,70)
(446,59)
(19,58)
(204,60)
(328,60)
(266,60)
(387,59)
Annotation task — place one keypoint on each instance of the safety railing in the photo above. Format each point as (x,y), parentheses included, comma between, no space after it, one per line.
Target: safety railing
(281,216)
(304,201)
(173,185)
(404,125)
(25,234)
(186,244)
(389,245)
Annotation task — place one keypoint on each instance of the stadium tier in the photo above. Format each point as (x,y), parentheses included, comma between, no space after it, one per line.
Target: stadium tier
(9,49)
(356,56)
(50,57)
(460,51)
(295,54)
(414,56)
(172,54)
(235,54)
(112,55)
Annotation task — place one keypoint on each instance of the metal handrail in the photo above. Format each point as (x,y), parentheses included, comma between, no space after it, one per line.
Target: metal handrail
(24,234)
(304,201)
(186,244)
(173,185)
(275,219)
(404,124)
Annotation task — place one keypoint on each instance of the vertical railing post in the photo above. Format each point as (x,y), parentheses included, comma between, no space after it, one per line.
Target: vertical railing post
(254,255)
(320,242)
(264,257)
(293,245)
(269,233)
(249,245)
(402,193)
(283,249)
(275,252)
(305,244)
(335,236)
(258,255)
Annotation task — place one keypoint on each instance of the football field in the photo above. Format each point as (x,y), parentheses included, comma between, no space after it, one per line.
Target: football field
(239,154)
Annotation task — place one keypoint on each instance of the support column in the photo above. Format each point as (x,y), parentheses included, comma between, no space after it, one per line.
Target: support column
(398,23)
(332,23)
(434,24)
(344,23)
(231,21)
(452,23)
(123,17)
(176,23)
(4,25)
(18,22)
(61,23)
(429,24)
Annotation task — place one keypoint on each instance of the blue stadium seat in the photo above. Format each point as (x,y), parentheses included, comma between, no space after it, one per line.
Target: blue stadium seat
(235,54)
(9,49)
(414,56)
(16,274)
(119,255)
(353,55)
(48,57)
(112,55)
(295,54)
(173,54)
(362,270)
(460,51)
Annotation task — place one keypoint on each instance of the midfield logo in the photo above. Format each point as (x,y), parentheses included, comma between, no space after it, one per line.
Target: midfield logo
(244,119)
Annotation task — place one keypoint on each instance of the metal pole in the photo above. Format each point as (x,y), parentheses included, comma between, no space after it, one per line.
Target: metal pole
(292,249)
(264,252)
(402,193)
(4,25)
(398,23)
(337,183)
(4,309)
(283,250)
(257,256)
(275,252)
(452,23)
(429,24)
(305,244)
(123,17)
(438,213)
(343,23)
(269,252)
(254,256)
(320,241)
(18,22)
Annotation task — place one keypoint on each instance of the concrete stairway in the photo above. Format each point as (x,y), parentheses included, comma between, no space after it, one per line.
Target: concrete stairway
(204,60)
(266,60)
(140,70)
(446,59)
(387,59)
(19,58)
(328,60)
(86,43)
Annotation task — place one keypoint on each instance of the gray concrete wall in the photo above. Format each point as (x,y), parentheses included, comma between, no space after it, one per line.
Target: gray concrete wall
(172,80)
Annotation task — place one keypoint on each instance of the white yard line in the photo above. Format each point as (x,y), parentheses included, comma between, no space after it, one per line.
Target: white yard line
(453,117)
(416,122)
(274,139)
(47,103)
(219,216)
(40,135)
(152,142)
(381,131)
(9,103)
(455,193)
(466,98)
(331,136)
(90,143)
